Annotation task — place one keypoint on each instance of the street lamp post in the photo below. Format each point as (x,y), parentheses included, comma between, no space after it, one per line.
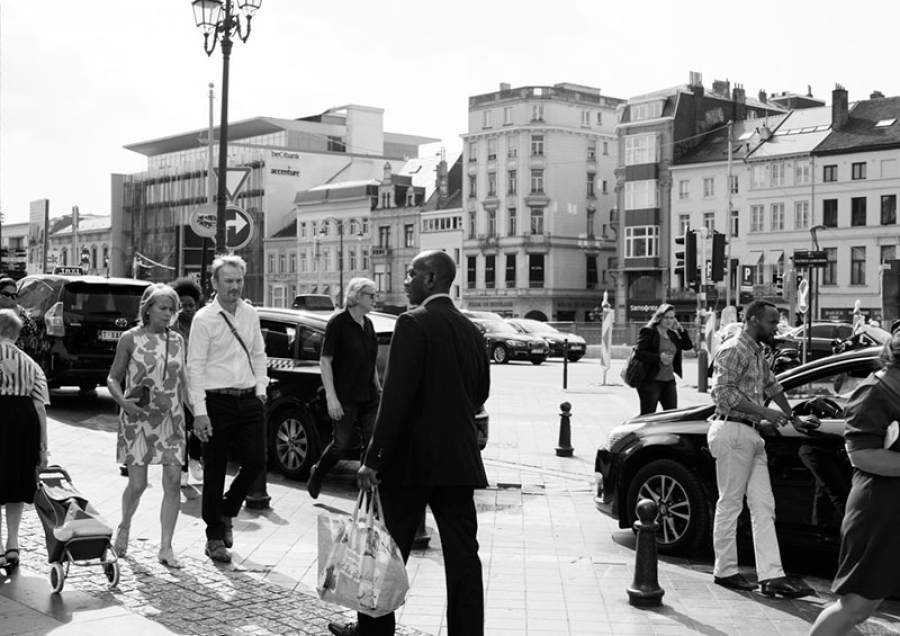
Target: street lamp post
(813,273)
(340,228)
(217,21)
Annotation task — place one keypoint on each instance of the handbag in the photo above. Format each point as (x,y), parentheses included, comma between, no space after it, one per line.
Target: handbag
(634,371)
(363,568)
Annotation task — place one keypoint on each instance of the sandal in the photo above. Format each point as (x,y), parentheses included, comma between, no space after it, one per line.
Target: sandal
(12,559)
(120,547)
(167,558)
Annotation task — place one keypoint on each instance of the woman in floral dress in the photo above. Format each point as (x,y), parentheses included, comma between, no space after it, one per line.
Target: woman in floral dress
(150,361)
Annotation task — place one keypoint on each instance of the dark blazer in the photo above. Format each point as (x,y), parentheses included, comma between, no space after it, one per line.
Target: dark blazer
(648,349)
(438,375)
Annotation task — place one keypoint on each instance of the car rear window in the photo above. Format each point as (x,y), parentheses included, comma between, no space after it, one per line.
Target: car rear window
(85,300)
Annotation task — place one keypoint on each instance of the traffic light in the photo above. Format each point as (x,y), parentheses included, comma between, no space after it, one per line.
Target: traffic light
(686,259)
(717,272)
(780,286)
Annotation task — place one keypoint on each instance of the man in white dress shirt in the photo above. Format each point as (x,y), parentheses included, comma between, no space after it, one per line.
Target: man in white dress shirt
(227,371)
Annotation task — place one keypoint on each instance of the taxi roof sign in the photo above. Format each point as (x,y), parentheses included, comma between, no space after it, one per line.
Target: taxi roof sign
(68,270)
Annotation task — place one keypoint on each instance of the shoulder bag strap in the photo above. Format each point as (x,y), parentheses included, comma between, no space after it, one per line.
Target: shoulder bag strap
(238,336)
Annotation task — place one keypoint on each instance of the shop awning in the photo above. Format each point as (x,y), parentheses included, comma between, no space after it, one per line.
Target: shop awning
(776,257)
(755,258)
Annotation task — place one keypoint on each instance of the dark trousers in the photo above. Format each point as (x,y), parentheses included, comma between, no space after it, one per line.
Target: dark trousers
(239,429)
(362,413)
(454,511)
(653,392)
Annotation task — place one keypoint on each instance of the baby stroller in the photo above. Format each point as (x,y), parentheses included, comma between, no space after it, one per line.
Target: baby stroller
(75,531)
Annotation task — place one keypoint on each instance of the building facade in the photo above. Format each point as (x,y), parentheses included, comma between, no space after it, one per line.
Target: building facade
(538,200)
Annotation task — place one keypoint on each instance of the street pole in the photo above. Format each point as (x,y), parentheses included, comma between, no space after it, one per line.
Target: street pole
(729,234)
(340,262)
(210,193)
(221,248)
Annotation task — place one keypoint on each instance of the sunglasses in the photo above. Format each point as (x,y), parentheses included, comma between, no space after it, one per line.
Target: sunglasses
(12,295)
(372,294)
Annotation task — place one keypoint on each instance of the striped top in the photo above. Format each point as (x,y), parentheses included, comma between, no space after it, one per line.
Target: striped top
(20,375)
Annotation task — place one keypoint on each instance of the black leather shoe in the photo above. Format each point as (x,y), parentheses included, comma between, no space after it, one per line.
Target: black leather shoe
(314,485)
(228,538)
(735,582)
(785,587)
(348,629)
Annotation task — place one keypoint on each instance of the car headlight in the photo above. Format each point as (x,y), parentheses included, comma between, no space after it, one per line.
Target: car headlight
(516,343)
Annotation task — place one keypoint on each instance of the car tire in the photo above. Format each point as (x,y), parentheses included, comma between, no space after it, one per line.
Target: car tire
(575,357)
(293,442)
(683,506)
(499,354)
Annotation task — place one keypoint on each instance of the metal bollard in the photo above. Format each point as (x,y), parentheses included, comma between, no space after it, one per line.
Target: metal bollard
(258,498)
(645,590)
(702,370)
(564,449)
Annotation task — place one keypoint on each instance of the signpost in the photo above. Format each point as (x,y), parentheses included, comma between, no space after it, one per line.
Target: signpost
(238,227)
(810,258)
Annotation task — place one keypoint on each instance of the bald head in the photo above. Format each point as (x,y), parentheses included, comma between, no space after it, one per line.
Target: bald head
(431,272)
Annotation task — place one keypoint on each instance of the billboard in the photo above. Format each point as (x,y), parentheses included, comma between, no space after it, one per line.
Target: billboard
(39,213)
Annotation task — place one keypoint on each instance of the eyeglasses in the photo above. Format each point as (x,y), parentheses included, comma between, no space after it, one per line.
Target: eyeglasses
(372,294)
(12,295)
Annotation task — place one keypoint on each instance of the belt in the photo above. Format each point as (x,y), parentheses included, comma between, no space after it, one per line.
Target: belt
(739,420)
(231,391)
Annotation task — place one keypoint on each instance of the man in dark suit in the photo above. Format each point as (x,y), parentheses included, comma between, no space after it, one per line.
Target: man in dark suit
(424,449)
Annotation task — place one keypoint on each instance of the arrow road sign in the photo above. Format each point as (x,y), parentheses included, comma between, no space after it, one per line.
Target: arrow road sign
(238,227)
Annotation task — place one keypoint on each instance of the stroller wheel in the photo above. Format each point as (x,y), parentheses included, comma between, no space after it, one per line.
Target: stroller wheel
(112,573)
(57,577)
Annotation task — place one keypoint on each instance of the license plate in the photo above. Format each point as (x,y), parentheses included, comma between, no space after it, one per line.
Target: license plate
(537,350)
(576,347)
(109,336)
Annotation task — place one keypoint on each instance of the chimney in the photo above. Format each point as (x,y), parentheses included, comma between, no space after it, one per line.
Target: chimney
(722,88)
(839,107)
(876,95)
(695,79)
(738,94)
(387,172)
(762,96)
(504,86)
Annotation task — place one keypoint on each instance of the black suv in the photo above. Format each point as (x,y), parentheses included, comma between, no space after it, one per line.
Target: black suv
(80,320)
(298,424)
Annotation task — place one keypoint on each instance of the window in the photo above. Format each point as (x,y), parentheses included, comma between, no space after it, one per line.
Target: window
(641,194)
(591,178)
(585,118)
(511,182)
(537,181)
(303,230)
(292,262)
(512,147)
(649,110)
(888,209)
(709,221)
(599,118)
(777,217)
(888,253)
(511,222)
(776,174)
(492,222)
(471,272)
(857,265)
(684,224)
(364,256)
(591,215)
(802,172)
(473,151)
(490,271)
(592,150)
(473,186)
(537,144)
(409,235)
(492,148)
(641,241)
(683,190)
(472,224)
(858,211)
(336,144)
(858,170)
(758,179)
(507,115)
(734,184)
(510,270)
(537,220)
(735,224)
(591,272)
(492,184)
(709,187)
(830,212)
(801,215)
(281,264)
(640,149)
(536,270)
(304,261)
(829,173)
(487,119)
(537,112)
(829,273)
(603,189)
(353,253)
(757,212)
(270,263)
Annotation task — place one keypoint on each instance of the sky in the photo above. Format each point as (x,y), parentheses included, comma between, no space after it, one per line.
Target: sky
(80,80)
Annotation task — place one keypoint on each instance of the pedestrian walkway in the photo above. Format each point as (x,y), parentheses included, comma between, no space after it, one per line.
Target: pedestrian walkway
(553,565)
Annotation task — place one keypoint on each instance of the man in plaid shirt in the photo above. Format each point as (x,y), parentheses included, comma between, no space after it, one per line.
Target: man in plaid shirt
(743,383)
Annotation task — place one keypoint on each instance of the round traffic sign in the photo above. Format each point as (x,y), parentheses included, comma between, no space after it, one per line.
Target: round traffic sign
(203,220)
(238,227)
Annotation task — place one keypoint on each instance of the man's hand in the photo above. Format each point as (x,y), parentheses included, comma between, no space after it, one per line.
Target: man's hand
(806,424)
(775,416)
(335,410)
(367,478)
(203,428)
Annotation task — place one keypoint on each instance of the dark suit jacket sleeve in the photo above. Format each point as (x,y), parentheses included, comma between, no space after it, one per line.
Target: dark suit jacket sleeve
(405,370)
(648,346)
(683,339)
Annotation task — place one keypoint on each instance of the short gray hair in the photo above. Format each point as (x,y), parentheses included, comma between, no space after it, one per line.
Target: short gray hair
(152,294)
(10,324)
(229,259)
(355,286)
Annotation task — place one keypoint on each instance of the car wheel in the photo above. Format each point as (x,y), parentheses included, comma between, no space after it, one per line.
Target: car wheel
(499,354)
(293,443)
(536,360)
(683,509)
(575,357)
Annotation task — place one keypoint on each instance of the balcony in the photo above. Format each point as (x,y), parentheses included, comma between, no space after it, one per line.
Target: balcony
(487,242)
(536,243)
(590,244)
(378,250)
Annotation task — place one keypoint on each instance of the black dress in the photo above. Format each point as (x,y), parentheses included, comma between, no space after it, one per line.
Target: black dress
(870,551)
(21,381)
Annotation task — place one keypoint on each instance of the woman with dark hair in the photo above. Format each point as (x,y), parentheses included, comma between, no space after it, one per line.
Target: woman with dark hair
(23,431)
(190,299)
(150,360)
(867,570)
(659,346)
(29,339)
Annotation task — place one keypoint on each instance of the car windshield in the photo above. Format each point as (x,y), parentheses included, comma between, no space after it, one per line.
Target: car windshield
(498,326)
(82,300)
(536,326)
(834,381)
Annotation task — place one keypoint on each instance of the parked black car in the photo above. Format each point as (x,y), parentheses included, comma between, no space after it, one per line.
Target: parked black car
(80,320)
(823,336)
(577,346)
(298,424)
(665,457)
(504,343)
